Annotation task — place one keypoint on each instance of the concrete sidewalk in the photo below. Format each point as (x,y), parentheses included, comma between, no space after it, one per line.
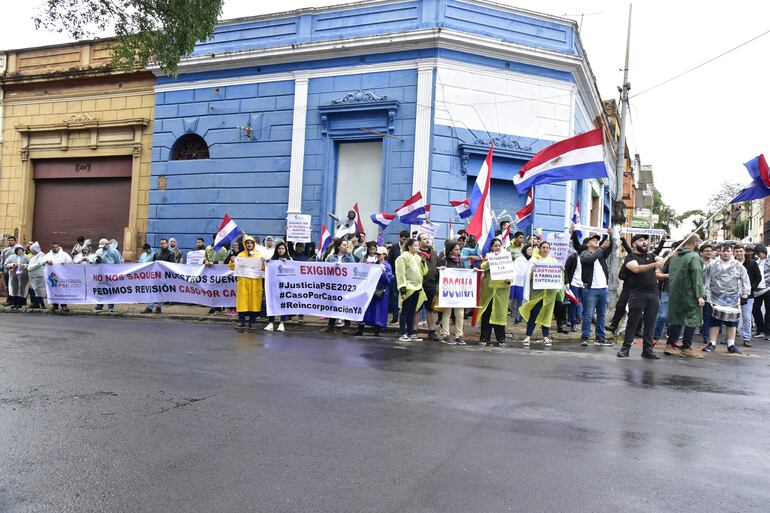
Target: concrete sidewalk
(194,313)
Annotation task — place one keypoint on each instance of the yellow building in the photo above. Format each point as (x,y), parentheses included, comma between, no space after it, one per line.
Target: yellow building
(76,143)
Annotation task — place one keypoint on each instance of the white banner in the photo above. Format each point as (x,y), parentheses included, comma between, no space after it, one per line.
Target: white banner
(457,288)
(196,257)
(153,282)
(501,266)
(547,276)
(428,229)
(590,229)
(340,291)
(559,242)
(646,231)
(299,228)
(248,267)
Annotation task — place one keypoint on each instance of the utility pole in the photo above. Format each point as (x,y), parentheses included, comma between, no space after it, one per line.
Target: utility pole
(620,166)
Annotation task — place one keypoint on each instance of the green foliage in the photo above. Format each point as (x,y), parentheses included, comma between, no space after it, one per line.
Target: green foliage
(667,217)
(740,229)
(146,31)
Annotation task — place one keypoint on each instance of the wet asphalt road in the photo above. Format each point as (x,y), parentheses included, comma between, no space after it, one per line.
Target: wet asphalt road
(116,415)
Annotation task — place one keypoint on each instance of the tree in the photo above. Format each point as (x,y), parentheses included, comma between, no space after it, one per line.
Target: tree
(667,218)
(146,31)
(725,192)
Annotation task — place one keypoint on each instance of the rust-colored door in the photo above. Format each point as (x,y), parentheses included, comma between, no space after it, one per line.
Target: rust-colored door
(81,197)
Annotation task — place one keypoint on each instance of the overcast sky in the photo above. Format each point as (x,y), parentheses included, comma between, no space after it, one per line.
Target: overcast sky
(695,131)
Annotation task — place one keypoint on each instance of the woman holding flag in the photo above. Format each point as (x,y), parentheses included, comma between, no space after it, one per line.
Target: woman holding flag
(538,310)
(248,293)
(495,296)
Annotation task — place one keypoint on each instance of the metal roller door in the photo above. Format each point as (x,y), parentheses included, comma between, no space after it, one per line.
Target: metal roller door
(89,198)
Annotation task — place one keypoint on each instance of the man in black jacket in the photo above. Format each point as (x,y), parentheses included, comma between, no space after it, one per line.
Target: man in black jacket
(620,306)
(595,276)
(747,305)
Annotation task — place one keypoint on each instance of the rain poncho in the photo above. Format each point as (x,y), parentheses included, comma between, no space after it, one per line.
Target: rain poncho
(495,293)
(409,272)
(18,276)
(534,296)
(36,269)
(685,285)
(248,292)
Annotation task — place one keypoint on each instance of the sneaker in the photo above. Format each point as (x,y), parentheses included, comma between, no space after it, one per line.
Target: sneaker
(602,342)
(526,341)
(212,311)
(415,338)
(281,327)
(340,323)
(158,310)
(583,342)
(650,355)
(502,344)
(671,350)
(269,326)
(448,341)
(394,320)
(746,343)
(482,343)
(690,353)
(734,350)
(623,353)
(404,339)
(111,310)
(460,341)
(97,309)
(709,347)
(573,329)
(547,341)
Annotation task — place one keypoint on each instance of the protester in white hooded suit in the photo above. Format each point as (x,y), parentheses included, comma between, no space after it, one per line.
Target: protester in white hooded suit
(36,269)
(18,277)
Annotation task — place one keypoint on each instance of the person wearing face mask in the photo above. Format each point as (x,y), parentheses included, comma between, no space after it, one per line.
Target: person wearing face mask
(376,314)
(84,256)
(540,303)
(452,260)
(248,294)
(495,296)
(643,297)
(281,254)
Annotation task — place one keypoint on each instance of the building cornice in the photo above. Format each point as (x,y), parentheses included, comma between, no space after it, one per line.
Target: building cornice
(412,40)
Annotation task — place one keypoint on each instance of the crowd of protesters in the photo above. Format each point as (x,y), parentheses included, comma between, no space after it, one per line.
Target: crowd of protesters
(702,287)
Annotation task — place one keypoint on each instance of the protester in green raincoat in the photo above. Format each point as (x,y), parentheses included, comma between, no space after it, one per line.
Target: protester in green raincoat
(538,310)
(686,293)
(410,269)
(495,295)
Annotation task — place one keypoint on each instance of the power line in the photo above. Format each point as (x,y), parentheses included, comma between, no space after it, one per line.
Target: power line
(701,64)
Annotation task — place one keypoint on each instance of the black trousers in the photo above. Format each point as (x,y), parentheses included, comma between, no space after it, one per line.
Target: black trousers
(560,313)
(675,331)
(486,327)
(406,318)
(620,309)
(762,324)
(641,305)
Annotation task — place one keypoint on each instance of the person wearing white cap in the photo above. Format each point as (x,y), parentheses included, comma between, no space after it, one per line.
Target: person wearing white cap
(106,254)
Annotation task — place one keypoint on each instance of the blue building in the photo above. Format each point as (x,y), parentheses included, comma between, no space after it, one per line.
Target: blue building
(314,110)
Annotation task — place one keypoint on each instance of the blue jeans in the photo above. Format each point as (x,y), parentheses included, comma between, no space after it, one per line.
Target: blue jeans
(746,319)
(575,311)
(705,329)
(660,322)
(594,299)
